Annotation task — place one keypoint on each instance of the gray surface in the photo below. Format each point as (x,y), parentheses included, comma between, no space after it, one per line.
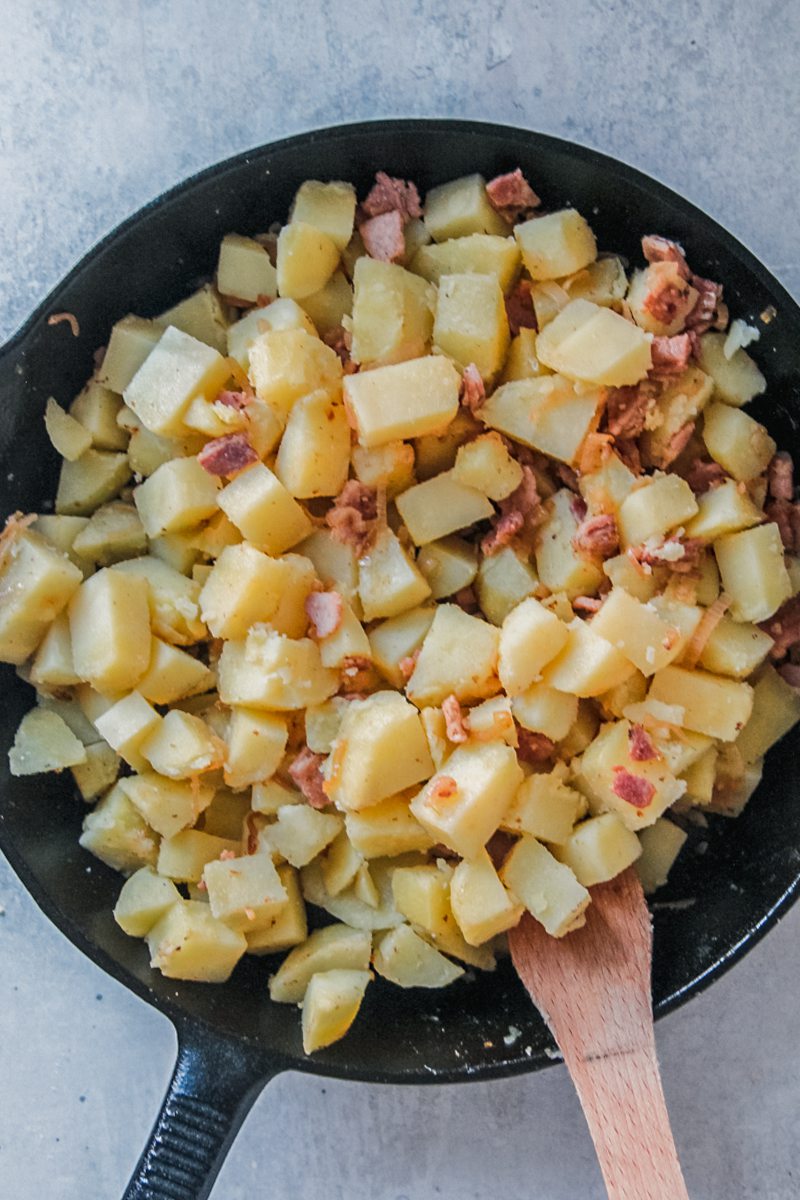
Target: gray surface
(99,113)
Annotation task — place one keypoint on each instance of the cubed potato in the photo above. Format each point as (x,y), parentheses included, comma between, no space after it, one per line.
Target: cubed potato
(661,845)
(404,958)
(738,443)
(556,244)
(201,315)
(522,361)
(653,280)
(346,905)
(244,270)
(183,856)
(176,371)
(288,926)
(280,314)
(449,565)
(183,745)
(265,512)
(461,207)
(246,892)
(381,749)
(348,641)
(340,864)
(132,339)
(226,814)
(328,207)
(459,655)
(628,575)
(711,704)
(173,599)
(335,564)
(390,466)
(560,566)
(735,783)
(605,489)
(463,805)
(659,505)
(385,829)
(594,344)
(603,778)
(91,480)
(753,572)
(97,773)
(481,905)
(271,671)
(632,691)
(143,900)
(392,313)
(723,509)
(405,400)
(147,451)
(486,465)
(504,579)
(389,582)
(190,943)
(735,648)
(529,638)
(475,254)
(301,832)
(543,709)
(646,637)
(776,709)
(331,305)
(330,1006)
(172,674)
(314,454)
(678,403)
(118,835)
(700,777)
(737,379)
(436,452)
(178,495)
(52,666)
(422,894)
(67,436)
(599,849)
(546,887)
(544,807)
(60,532)
(268,797)
(113,532)
(306,259)
(336,947)
(549,414)
(246,587)
(44,742)
(396,640)
(256,744)
(603,282)
(492,720)
(288,363)
(439,506)
(471,325)
(167,805)
(126,725)
(322,722)
(118,606)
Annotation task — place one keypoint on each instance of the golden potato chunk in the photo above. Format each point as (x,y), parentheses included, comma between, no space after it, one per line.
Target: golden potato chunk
(330,1006)
(188,942)
(594,344)
(711,704)
(380,750)
(459,655)
(118,606)
(471,325)
(392,313)
(461,207)
(265,512)
(405,400)
(177,370)
(753,572)
(547,888)
(306,259)
(556,244)
(549,414)
(439,506)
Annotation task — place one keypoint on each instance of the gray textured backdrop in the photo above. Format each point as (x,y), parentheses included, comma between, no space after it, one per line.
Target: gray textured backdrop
(102,106)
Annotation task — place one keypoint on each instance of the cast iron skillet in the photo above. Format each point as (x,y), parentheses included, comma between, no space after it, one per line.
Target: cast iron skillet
(231,1038)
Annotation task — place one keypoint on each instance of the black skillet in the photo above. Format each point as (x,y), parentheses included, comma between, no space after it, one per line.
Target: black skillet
(231,1038)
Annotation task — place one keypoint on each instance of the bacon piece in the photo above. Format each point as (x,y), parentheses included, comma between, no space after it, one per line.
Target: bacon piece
(454,719)
(511,195)
(467,599)
(633,789)
(709,299)
(703,476)
(597,536)
(640,746)
(442,788)
(534,747)
(353,517)
(521,510)
(627,409)
(505,528)
(407,664)
(784,628)
(473,392)
(628,451)
(383,236)
(60,317)
(780,476)
(232,399)
(498,847)
(787,517)
(578,508)
(227,455)
(671,354)
(660,249)
(325,611)
(587,604)
(519,308)
(389,194)
(340,340)
(306,772)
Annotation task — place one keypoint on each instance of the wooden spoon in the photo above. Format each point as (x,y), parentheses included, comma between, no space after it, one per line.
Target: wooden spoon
(593,989)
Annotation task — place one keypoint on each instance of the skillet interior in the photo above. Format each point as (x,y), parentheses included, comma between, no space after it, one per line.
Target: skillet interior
(749,872)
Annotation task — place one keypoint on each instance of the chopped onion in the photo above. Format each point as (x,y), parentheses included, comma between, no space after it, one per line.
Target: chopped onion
(740,335)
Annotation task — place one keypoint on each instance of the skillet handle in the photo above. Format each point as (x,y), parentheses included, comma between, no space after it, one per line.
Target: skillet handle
(212,1088)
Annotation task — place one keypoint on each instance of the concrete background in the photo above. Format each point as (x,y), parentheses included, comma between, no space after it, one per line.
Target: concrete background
(102,106)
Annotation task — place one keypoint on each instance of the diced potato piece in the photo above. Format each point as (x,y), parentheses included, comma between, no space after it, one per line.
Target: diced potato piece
(738,443)
(625,574)
(607,760)
(734,784)
(390,466)
(132,339)
(561,567)
(288,363)
(301,832)
(491,720)
(645,636)
(549,413)
(336,947)
(547,888)
(335,564)
(700,777)
(348,641)
(172,674)
(392,313)
(603,281)
(280,314)
(270,796)
(652,280)
(594,344)
(735,648)
(346,905)
(60,532)
(661,845)
(173,599)
(657,506)
(711,704)
(182,745)
(389,583)
(504,579)
(288,926)
(178,495)
(397,639)
(463,805)
(486,465)
(385,829)
(244,270)
(723,509)
(314,454)
(471,325)
(422,895)
(271,671)
(329,307)
(306,259)
(476,254)
(556,244)
(246,587)
(66,434)
(81,714)
(461,207)
(202,316)
(680,402)
(776,709)
(117,606)
(753,571)
(116,834)
(167,805)
(543,709)
(402,957)
(481,905)
(545,807)
(380,750)
(126,725)
(436,452)
(599,849)
(113,532)
(246,892)
(737,380)
(631,691)
(261,507)
(190,943)
(329,207)
(521,361)
(143,901)
(530,637)
(322,722)
(176,371)
(183,856)
(459,655)
(439,506)
(147,451)
(44,742)
(330,1006)
(341,864)
(449,565)
(435,726)
(97,773)
(256,744)
(53,666)
(226,814)
(89,481)
(405,400)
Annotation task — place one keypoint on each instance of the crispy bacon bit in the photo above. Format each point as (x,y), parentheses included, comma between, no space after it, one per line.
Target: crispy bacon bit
(627,409)
(640,746)
(383,236)
(709,299)
(521,510)
(306,771)
(454,719)
(519,308)
(597,537)
(407,664)
(703,476)
(791,673)
(708,623)
(511,195)
(780,476)
(660,249)
(786,516)
(60,317)
(578,508)
(587,604)
(325,611)
(784,628)
(676,444)
(353,517)
(505,528)
(466,598)
(389,194)
(442,788)
(473,392)
(358,678)
(498,847)
(238,400)
(534,747)
(340,340)
(227,455)
(671,354)
(633,789)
